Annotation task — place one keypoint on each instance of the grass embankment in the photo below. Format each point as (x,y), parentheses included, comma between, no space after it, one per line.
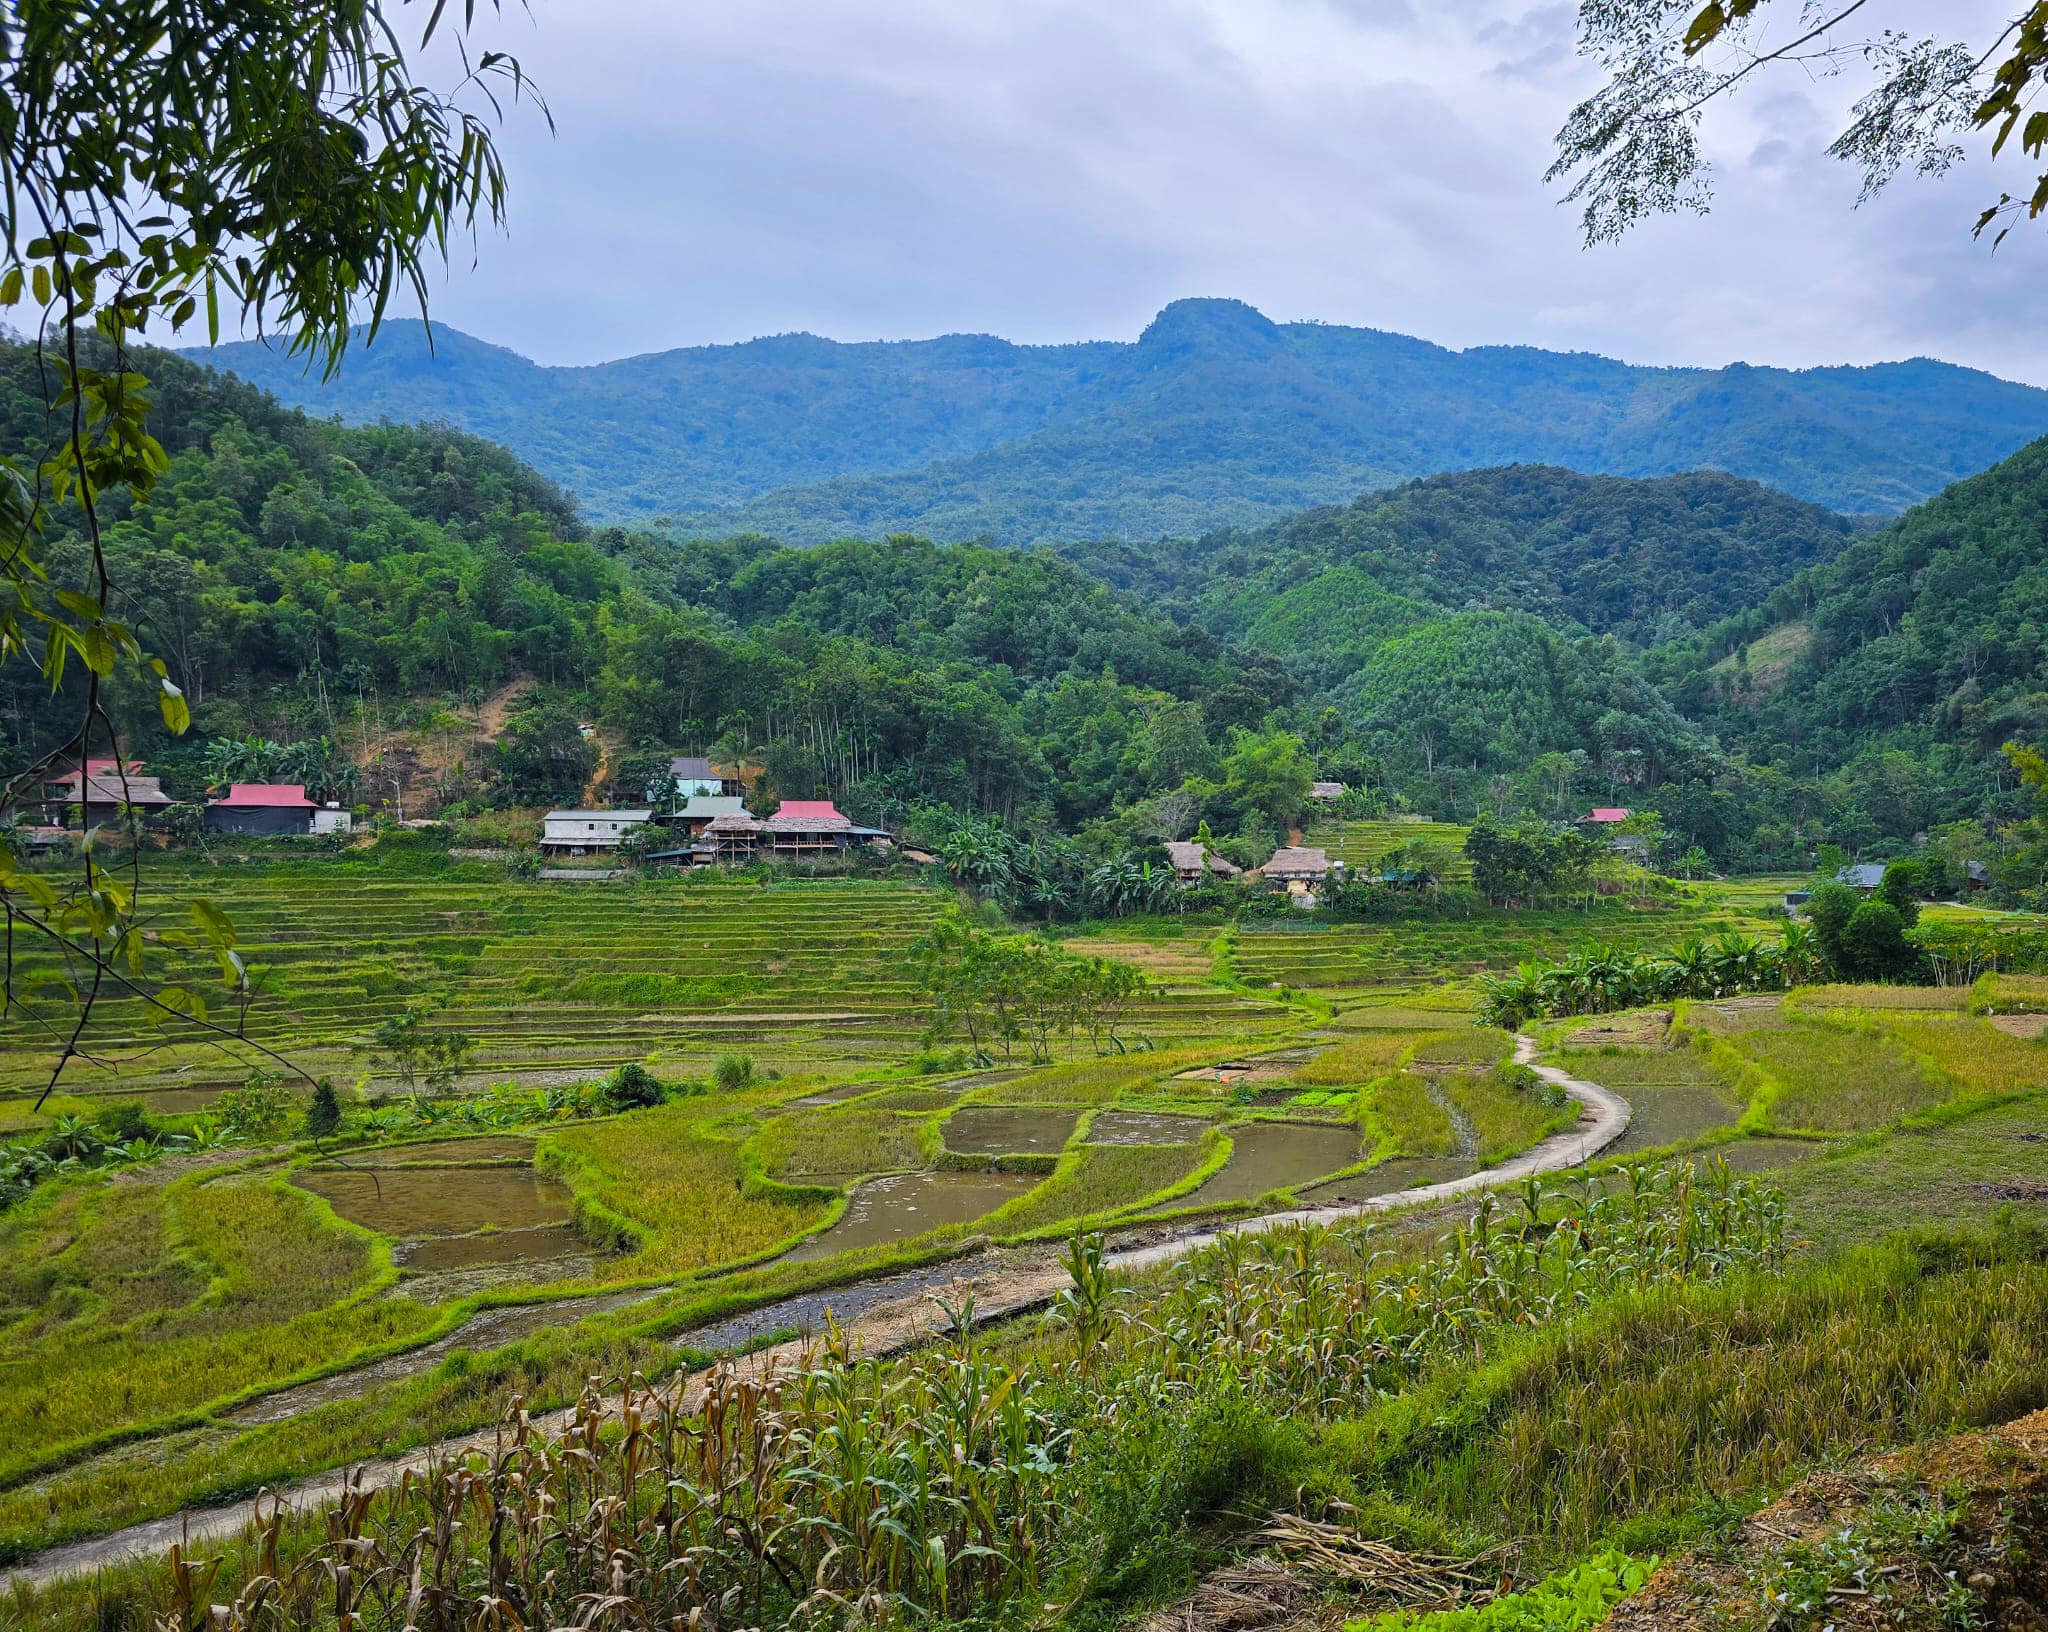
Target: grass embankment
(135,1303)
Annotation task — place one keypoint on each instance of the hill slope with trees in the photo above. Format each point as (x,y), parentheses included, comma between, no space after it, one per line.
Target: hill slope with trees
(1214,417)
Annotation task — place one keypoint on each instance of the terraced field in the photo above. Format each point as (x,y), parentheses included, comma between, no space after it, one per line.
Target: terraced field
(555,981)
(1334,957)
(1362,845)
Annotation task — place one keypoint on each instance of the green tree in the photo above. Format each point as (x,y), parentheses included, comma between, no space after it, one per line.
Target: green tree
(424,1058)
(323,1111)
(160,159)
(1632,149)
(1268,774)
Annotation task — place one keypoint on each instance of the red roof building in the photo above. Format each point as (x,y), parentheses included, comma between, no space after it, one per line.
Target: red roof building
(1604,816)
(266,796)
(261,807)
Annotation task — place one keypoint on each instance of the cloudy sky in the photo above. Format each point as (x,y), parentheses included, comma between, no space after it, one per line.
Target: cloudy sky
(1059,169)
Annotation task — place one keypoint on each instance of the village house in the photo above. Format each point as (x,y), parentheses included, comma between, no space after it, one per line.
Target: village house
(1193,862)
(1865,876)
(701,810)
(101,792)
(579,832)
(1326,790)
(261,808)
(1303,871)
(1604,816)
(694,776)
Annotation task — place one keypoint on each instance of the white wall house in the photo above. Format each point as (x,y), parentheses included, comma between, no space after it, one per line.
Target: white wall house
(331,818)
(573,832)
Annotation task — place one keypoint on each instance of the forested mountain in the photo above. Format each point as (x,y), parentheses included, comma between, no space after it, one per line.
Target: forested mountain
(1213,417)
(1459,644)
(1644,559)
(1918,649)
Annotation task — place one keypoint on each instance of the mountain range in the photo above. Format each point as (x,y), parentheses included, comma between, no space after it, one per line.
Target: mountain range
(1214,417)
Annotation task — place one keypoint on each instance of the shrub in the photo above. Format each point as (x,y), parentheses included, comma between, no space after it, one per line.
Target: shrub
(257,1110)
(633,1087)
(125,1120)
(323,1111)
(732,1073)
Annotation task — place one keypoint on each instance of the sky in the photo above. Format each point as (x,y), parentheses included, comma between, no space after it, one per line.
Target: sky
(1052,170)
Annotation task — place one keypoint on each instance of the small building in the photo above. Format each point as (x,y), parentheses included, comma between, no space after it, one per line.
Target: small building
(1194,862)
(1605,816)
(1299,864)
(693,776)
(1327,790)
(702,809)
(102,791)
(1862,875)
(331,818)
(807,830)
(259,808)
(1976,876)
(579,832)
(734,837)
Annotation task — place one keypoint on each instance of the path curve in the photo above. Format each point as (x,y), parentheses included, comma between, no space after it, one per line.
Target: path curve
(883,1329)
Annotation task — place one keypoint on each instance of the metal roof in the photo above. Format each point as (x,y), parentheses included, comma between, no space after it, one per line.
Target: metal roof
(265,796)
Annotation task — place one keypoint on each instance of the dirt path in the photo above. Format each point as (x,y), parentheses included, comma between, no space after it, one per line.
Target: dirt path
(1002,1285)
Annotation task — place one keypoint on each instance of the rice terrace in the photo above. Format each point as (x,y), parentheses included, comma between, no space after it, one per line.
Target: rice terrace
(1215,971)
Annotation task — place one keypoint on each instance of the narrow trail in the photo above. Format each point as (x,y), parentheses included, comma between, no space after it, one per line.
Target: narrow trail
(1001,1287)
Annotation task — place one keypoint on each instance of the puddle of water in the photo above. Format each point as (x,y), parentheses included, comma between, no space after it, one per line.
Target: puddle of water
(1145,1128)
(902,1205)
(1277,1156)
(1399,1173)
(1663,1116)
(487,1147)
(1762,1155)
(439,1252)
(1008,1130)
(439,1201)
(489,1329)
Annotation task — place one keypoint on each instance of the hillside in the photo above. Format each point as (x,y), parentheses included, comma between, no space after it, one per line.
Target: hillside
(1920,644)
(1643,559)
(1214,417)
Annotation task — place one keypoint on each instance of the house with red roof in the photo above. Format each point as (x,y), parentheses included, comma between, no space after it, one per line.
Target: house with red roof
(101,791)
(1604,816)
(259,808)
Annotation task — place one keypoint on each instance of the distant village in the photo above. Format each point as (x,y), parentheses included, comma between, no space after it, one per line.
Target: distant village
(701,820)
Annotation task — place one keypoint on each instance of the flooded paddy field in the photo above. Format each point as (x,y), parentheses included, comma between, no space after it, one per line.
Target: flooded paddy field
(1268,1156)
(901,1205)
(1146,1128)
(409,1201)
(1009,1130)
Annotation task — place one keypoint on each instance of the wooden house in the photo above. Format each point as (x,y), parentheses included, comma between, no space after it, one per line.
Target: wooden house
(579,832)
(693,777)
(1193,862)
(261,808)
(101,791)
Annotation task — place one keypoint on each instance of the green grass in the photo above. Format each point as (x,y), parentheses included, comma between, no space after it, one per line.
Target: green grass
(1506,1116)
(1094,1181)
(1829,1080)
(131,1303)
(1406,1120)
(1619,1426)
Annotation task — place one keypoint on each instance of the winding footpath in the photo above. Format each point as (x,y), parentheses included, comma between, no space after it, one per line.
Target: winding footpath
(1000,1289)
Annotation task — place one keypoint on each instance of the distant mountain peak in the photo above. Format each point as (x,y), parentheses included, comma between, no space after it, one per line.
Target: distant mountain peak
(1211,324)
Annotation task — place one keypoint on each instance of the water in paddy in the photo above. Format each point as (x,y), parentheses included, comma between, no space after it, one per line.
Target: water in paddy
(1399,1173)
(179,1101)
(1006,1130)
(488,1147)
(1663,1116)
(443,1252)
(901,1205)
(1145,1128)
(1277,1156)
(402,1201)
(1763,1155)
